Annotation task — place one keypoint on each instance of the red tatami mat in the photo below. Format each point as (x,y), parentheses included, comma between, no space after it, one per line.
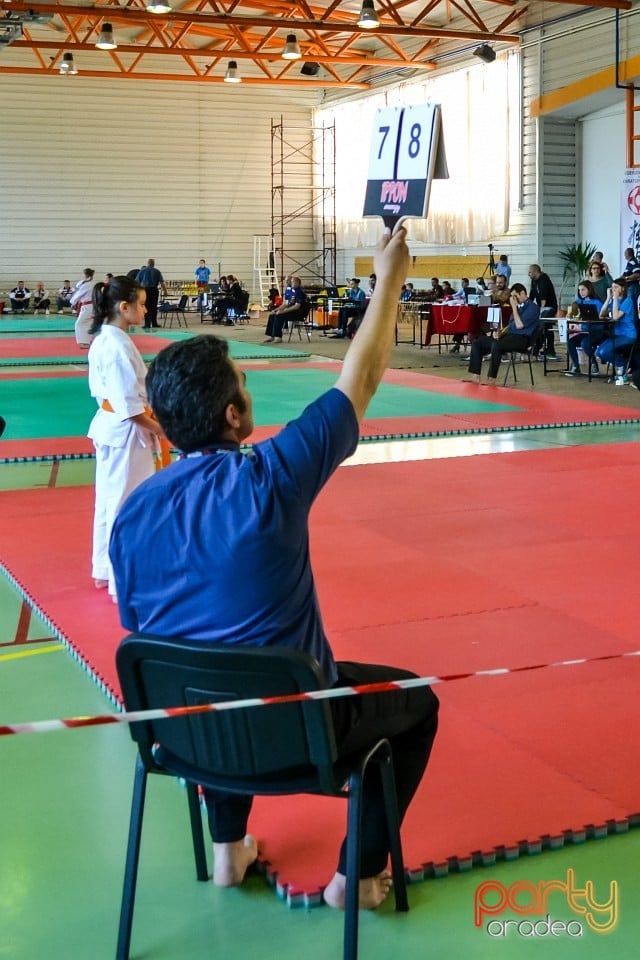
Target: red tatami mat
(451,566)
(20,348)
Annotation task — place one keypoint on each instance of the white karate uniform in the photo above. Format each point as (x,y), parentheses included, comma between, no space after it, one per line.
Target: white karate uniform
(81,299)
(124,449)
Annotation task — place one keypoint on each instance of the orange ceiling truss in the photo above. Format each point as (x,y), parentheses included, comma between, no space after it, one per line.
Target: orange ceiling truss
(196,41)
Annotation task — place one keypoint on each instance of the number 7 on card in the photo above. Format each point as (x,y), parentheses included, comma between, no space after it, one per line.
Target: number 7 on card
(406,153)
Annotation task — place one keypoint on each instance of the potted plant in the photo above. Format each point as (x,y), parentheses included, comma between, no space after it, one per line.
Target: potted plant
(576,258)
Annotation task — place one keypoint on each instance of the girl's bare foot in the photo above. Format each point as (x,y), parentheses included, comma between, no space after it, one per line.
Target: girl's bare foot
(100,584)
(372,891)
(232,860)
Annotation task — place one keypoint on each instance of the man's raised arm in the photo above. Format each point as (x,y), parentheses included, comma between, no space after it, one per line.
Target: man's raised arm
(369,353)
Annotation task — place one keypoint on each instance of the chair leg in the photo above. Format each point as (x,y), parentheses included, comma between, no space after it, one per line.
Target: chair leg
(195,816)
(510,366)
(530,368)
(131,866)
(354,837)
(393,829)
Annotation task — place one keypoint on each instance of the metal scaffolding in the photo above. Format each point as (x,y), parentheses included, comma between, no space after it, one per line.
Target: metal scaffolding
(303,202)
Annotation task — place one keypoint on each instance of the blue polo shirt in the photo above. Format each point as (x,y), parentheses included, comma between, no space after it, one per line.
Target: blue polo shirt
(529,313)
(216,546)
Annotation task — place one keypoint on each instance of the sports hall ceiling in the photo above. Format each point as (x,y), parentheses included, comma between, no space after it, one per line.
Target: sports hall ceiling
(196,39)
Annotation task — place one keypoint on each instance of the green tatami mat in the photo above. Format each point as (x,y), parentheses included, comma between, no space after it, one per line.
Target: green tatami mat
(281,395)
(62,407)
(65,803)
(29,324)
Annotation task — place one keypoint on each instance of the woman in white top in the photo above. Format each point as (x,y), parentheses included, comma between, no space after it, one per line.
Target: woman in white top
(123,431)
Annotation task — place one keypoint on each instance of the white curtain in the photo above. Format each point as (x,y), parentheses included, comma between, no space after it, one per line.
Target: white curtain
(480,110)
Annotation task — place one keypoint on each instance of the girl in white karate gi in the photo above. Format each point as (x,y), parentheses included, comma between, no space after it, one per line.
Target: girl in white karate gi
(80,301)
(123,432)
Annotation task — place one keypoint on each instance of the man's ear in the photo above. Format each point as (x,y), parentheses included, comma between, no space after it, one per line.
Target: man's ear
(232,416)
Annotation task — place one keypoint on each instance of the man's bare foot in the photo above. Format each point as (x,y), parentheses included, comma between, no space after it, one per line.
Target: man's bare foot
(100,584)
(491,381)
(232,860)
(471,378)
(372,891)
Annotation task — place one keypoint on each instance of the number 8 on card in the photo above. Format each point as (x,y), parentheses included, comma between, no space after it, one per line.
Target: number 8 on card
(406,153)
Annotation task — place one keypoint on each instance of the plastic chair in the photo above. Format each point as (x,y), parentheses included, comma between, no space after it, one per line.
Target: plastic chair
(174,310)
(274,750)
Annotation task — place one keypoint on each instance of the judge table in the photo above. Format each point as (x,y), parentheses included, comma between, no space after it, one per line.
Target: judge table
(449,318)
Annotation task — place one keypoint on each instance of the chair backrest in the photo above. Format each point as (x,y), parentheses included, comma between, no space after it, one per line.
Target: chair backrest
(183,301)
(243,300)
(253,742)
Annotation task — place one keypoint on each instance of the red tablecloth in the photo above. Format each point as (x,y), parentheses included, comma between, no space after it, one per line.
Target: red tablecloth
(449,318)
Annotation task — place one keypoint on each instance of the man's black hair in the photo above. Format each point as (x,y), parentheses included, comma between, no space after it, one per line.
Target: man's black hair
(190,384)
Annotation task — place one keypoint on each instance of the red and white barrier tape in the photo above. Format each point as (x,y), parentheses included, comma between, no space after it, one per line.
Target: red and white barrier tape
(72,723)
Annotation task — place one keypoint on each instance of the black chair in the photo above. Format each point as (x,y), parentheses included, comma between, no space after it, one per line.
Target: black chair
(274,750)
(301,322)
(527,353)
(171,310)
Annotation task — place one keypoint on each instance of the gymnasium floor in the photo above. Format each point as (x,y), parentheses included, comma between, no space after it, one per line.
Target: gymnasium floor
(65,797)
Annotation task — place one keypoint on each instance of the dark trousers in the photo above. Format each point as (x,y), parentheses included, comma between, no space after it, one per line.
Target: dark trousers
(276,321)
(407,718)
(345,314)
(480,347)
(19,306)
(546,337)
(509,343)
(151,319)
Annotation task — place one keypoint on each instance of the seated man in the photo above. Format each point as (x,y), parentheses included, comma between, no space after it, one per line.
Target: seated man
(216,548)
(295,307)
(354,309)
(500,294)
(19,297)
(64,296)
(516,336)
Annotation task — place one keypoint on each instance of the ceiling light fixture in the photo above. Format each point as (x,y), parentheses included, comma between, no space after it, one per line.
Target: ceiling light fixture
(368,19)
(310,69)
(291,49)
(231,76)
(106,40)
(68,67)
(158,6)
(485,53)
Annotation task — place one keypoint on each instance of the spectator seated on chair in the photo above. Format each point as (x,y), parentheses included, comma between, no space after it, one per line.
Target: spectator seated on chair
(587,336)
(41,299)
(234,303)
(64,296)
(19,298)
(623,313)
(250,579)
(355,308)
(295,307)
(514,338)
(275,300)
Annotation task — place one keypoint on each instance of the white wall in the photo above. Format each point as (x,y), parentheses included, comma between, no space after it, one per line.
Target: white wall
(603,163)
(108,173)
